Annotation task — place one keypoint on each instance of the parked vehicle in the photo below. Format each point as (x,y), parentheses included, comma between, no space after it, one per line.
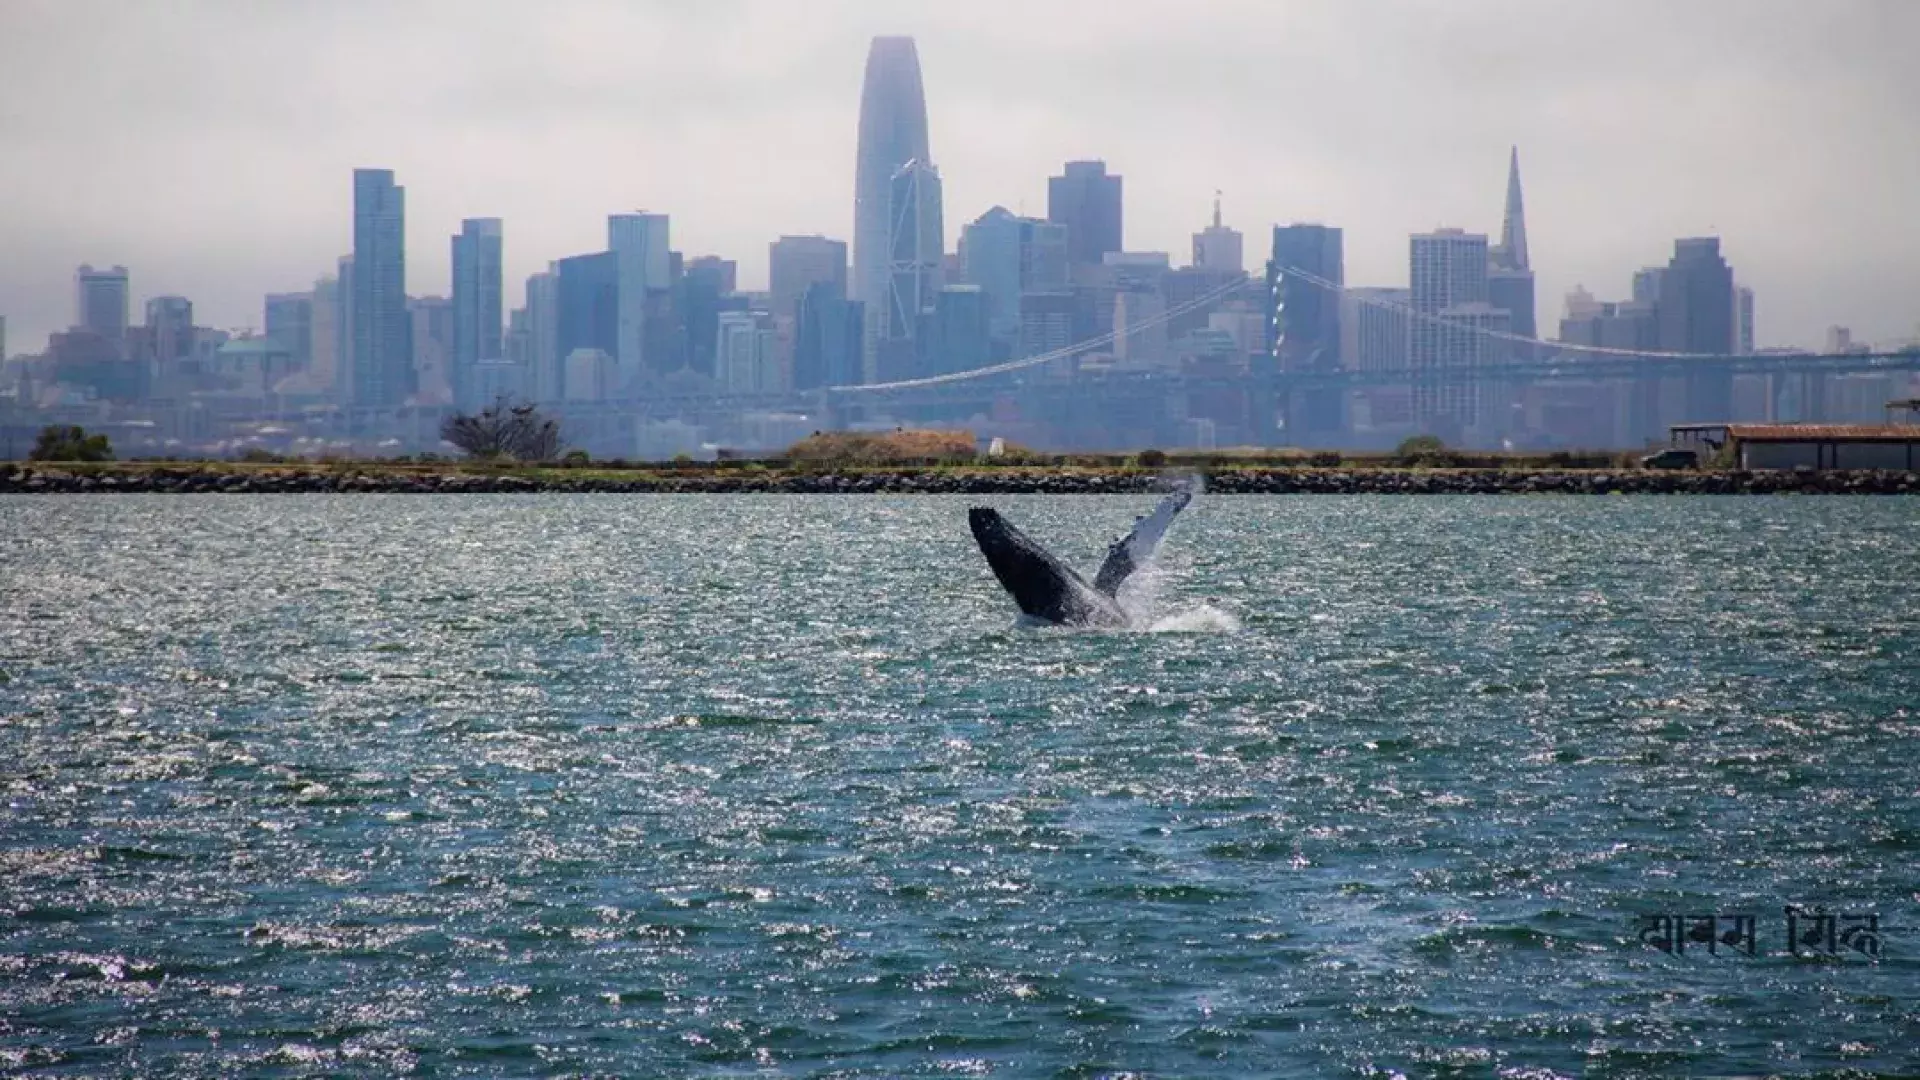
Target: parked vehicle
(1671,458)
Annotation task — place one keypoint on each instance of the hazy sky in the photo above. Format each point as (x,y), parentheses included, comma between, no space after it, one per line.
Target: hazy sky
(207,144)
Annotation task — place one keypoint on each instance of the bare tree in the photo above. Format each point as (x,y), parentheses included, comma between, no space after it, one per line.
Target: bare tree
(502,430)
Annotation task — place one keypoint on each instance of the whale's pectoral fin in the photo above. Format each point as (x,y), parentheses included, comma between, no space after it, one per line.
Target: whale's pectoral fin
(1137,547)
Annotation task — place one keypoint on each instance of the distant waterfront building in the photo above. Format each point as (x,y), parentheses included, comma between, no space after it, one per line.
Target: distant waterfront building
(1303,323)
(744,353)
(1047,323)
(1219,248)
(1089,202)
(797,263)
(288,319)
(893,133)
(707,288)
(1632,325)
(1374,328)
(829,336)
(1697,316)
(1509,273)
(544,374)
(382,374)
(959,338)
(101,302)
(169,331)
(1743,320)
(1140,329)
(432,337)
(590,375)
(640,246)
(1646,284)
(1448,272)
(1448,269)
(917,236)
(1008,256)
(587,313)
(478,296)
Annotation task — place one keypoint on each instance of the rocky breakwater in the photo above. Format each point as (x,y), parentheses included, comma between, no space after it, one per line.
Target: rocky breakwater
(53,479)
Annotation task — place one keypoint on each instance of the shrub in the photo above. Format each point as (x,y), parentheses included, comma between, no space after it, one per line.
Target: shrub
(1153,459)
(70,442)
(575,459)
(502,430)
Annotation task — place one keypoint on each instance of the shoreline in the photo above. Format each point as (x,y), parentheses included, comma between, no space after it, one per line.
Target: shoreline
(755,478)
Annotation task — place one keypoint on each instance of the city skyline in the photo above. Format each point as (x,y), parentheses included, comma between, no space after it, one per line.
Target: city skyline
(1820,245)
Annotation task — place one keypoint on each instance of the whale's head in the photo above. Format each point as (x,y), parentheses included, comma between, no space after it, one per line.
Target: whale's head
(1042,586)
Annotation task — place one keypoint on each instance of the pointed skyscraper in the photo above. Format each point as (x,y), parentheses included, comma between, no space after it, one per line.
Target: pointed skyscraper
(893,132)
(1512,253)
(1509,274)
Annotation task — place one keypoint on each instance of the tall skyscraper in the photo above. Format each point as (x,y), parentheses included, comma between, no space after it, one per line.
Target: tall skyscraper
(544,373)
(1087,200)
(587,313)
(288,319)
(477,300)
(640,245)
(916,233)
(1743,320)
(1007,257)
(1304,324)
(1448,268)
(1512,252)
(1510,284)
(1218,248)
(893,133)
(706,290)
(382,370)
(101,302)
(1697,316)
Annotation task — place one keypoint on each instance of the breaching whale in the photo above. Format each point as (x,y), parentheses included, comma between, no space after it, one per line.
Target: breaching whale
(1047,589)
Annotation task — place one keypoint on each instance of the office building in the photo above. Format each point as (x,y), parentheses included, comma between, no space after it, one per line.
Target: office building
(1007,256)
(544,373)
(1450,327)
(478,297)
(959,336)
(893,133)
(640,246)
(382,374)
(101,302)
(288,319)
(432,337)
(744,353)
(169,332)
(829,334)
(797,263)
(707,288)
(586,314)
(1219,248)
(1304,275)
(1088,201)
(916,233)
(1697,316)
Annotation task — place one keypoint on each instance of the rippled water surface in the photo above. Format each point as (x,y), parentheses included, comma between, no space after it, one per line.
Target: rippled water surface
(738,786)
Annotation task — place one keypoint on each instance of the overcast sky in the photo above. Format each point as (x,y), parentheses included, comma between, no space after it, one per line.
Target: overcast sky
(207,144)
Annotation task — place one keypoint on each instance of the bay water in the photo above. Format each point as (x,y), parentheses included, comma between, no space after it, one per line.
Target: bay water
(774,786)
